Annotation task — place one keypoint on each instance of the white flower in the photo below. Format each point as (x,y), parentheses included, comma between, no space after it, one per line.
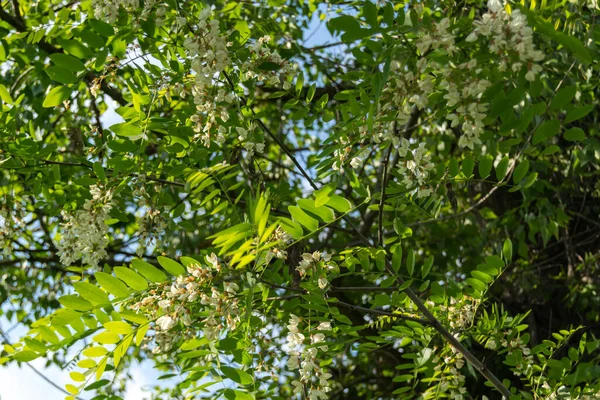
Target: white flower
(164,304)
(322,282)
(295,339)
(298,387)
(356,162)
(165,322)
(495,5)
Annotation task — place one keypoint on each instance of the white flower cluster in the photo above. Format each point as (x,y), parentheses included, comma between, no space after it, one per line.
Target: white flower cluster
(509,38)
(313,379)
(405,90)
(150,226)
(415,169)
(317,264)
(341,156)
(517,347)
(451,380)
(437,37)
(208,50)
(260,55)
(280,237)
(108,10)
(9,225)
(460,314)
(83,234)
(247,138)
(178,301)
(465,89)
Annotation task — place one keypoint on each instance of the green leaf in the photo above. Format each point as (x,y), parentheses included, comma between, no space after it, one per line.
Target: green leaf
(56,96)
(530,179)
(237,375)
(339,204)
(172,267)
(578,113)
(562,97)
(91,293)
(112,285)
(75,302)
(26,355)
(231,394)
(75,48)
(545,131)
(397,258)
(521,171)
(97,385)
(141,333)
(95,351)
(495,262)
(149,271)
(299,83)
(107,338)
(67,62)
(61,75)
(101,27)
(482,276)
(410,262)
(126,129)
(574,135)
(322,195)
(485,166)
(427,267)
(477,284)
(324,213)
(304,219)
(501,168)
(468,165)
(291,227)
(120,327)
(370,13)
(507,251)
(131,278)
(133,317)
(5,95)
(311,92)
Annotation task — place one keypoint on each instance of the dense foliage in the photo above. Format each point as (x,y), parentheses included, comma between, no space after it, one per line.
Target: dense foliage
(408,211)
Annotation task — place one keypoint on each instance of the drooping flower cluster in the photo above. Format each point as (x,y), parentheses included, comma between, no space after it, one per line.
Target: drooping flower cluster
(451,380)
(317,265)
(415,167)
(509,38)
(517,348)
(176,302)
(10,222)
(207,48)
(282,238)
(150,226)
(313,379)
(267,66)
(460,314)
(465,89)
(84,232)
(437,37)
(108,10)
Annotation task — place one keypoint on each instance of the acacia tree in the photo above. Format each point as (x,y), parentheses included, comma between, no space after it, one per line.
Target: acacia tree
(410,211)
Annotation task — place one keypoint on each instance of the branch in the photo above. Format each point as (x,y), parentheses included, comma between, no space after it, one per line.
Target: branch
(381,312)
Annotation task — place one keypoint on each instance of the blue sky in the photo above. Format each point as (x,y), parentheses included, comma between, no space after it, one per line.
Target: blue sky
(24,384)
